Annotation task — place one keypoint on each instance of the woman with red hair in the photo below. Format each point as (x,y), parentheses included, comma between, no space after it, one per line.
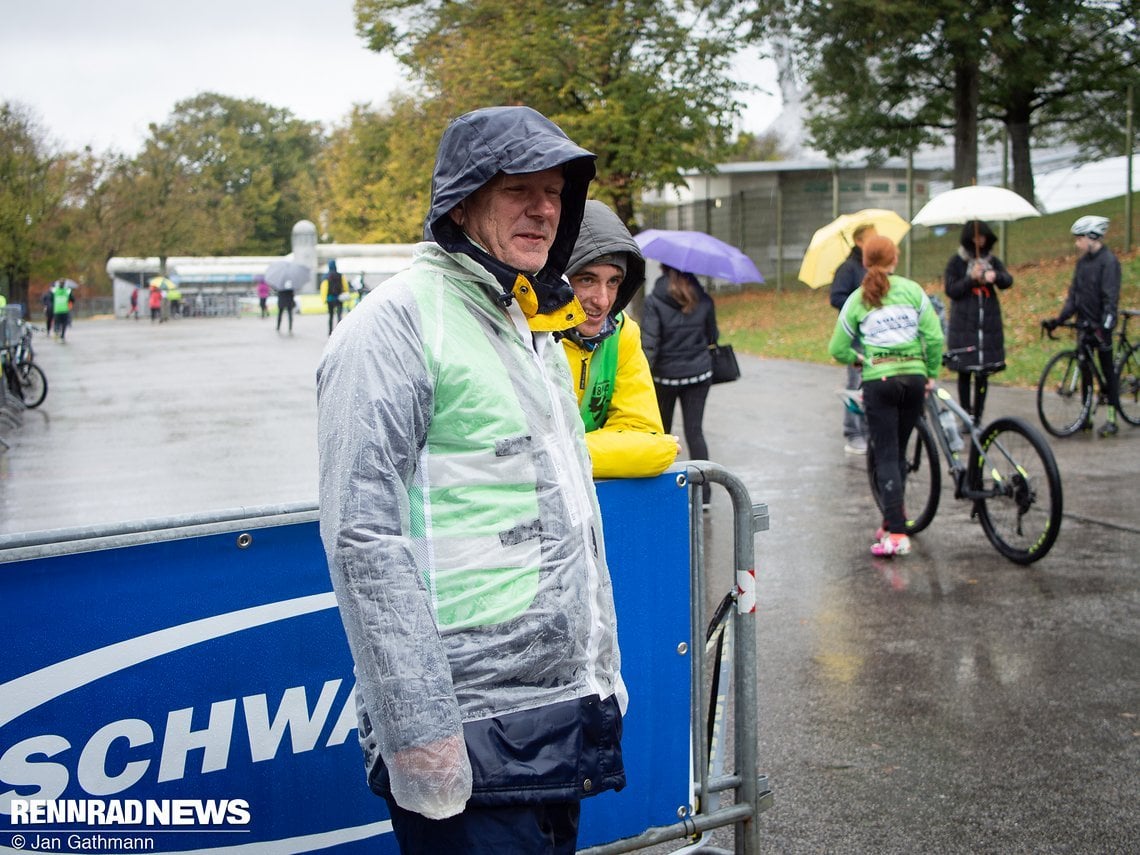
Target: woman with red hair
(902,351)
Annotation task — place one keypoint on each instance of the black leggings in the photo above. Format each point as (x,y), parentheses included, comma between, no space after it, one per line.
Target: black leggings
(692,397)
(893,406)
(977,403)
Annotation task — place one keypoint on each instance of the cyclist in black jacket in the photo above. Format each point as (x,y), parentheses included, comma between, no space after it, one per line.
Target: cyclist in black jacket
(1093,296)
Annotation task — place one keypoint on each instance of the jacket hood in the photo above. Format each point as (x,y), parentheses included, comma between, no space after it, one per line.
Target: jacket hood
(967,237)
(603,233)
(514,140)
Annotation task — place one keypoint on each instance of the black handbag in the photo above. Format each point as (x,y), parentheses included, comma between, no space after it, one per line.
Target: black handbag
(724,367)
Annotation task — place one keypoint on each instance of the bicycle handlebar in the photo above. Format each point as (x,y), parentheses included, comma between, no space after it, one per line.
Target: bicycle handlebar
(1048,327)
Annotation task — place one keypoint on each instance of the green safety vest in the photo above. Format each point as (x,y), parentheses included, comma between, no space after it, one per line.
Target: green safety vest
(600,379)
(474,502)
(61,301)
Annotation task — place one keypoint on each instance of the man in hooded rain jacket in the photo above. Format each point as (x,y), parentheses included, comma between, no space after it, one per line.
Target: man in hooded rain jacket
(611,374)
(458,515)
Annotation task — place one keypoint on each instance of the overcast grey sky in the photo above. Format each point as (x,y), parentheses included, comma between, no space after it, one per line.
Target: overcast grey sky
(97,72)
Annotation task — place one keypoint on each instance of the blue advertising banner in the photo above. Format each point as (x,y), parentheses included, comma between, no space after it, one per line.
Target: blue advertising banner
(194,693)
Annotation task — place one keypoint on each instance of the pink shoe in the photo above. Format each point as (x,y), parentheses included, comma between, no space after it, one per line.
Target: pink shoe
(891,544)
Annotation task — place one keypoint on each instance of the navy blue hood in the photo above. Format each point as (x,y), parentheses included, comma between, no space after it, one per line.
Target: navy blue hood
(513,140)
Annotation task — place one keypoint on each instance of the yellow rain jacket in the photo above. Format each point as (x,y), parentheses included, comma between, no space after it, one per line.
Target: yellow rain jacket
(631,443)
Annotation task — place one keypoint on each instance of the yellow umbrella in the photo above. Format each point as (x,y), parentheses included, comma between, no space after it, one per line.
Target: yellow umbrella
(831,244)
(161,282)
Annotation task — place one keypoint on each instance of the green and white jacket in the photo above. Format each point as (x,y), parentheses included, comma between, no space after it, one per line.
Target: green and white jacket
(903,336)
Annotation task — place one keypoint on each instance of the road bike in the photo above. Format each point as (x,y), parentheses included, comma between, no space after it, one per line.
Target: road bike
(1008,474)
(26,381)
(1067,393)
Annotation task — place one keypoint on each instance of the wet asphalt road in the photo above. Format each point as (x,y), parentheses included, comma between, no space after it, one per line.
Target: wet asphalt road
(947,701)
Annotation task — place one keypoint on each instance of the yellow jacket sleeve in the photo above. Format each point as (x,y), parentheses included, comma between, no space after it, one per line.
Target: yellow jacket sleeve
(632,443)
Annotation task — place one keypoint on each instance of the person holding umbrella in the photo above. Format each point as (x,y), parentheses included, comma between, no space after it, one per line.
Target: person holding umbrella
(610,373)
(678,325)
(902,352)
(848,277)
(975,345)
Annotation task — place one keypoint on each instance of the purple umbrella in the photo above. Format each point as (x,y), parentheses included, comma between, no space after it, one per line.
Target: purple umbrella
(697,252)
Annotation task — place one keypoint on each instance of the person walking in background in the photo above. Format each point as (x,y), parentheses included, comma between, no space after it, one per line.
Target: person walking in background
(134,310)
(263,297)
(611,375)
(901,338)
(63,298)
(975,342)
(1093,297)
(334,287)
(154,302)
(847,278)
(285,302)
(459,521)
(48,301)
(174,297)
(678,325)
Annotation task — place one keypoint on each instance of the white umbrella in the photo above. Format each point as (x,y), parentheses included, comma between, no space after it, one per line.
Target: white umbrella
(992,204)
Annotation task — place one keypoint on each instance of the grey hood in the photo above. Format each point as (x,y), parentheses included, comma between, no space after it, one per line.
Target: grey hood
(603,233)
(513,140)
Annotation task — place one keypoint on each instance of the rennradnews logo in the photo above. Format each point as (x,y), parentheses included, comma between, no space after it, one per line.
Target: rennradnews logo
(154,813)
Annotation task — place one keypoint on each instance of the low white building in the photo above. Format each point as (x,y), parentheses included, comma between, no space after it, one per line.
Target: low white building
(215,284)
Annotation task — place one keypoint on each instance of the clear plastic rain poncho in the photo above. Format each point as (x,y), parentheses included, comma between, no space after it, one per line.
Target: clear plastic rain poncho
(459,521)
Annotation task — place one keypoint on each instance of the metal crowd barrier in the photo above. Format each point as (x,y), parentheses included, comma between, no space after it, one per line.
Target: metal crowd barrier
(751,795)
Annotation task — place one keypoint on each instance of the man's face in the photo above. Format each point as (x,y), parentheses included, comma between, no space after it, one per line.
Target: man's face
(596,287)
(515,217)
(1084,244)
(865,236)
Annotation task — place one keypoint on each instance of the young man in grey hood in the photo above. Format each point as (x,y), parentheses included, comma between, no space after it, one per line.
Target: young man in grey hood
(458,514)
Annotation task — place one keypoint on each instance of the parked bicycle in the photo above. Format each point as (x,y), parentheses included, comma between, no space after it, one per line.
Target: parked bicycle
(1009,475)
(1066,394)
(26,381)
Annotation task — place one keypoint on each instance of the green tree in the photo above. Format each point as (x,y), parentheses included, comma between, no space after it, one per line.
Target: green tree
(253,165)
(646,86)
(376,174)
(33,184)
(168,208)
(890,77)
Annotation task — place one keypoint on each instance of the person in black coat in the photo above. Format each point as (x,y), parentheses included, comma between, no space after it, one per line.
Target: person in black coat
(678,325)
(975,343)
(848,277)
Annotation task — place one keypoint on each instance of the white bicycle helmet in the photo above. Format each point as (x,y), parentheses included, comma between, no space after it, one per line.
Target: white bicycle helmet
(1090,227)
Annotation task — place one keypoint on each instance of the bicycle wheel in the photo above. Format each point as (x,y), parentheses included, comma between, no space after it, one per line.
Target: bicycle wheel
(1022,517)
(923,478)
(1064,394)
(1128,375)
(33,384)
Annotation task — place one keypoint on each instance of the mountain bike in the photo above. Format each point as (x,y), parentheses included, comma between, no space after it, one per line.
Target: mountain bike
(1065,393)
(26,380)
(1009,476)
(1127,365)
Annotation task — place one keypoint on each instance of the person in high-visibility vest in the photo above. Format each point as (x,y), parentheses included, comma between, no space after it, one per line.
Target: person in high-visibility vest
(62,299)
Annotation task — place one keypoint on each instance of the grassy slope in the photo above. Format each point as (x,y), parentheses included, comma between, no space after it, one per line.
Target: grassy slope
(796,322)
